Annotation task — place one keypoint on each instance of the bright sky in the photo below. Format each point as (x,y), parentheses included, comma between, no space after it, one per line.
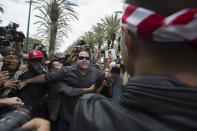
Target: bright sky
(90,12)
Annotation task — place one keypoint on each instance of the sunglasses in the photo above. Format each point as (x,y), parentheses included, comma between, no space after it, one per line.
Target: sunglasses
(84,57)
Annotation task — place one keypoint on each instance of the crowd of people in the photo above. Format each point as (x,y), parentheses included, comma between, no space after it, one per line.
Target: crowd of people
(49,86)
(155,88)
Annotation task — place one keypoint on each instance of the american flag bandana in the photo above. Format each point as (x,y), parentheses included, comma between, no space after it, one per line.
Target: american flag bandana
(147,24)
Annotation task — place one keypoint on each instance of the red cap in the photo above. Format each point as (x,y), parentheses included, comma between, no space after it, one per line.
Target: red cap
(35,54)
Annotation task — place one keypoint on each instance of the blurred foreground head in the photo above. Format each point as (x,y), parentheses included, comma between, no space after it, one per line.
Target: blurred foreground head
(142,53)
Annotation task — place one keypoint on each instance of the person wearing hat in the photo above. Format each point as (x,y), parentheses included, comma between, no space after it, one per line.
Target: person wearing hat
(159,49)
(32,94)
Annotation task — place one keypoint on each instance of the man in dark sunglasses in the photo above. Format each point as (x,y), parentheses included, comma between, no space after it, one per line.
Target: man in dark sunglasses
(83,62)
(84,57)
(82,77)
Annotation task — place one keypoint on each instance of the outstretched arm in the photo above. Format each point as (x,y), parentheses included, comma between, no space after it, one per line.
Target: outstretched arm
(37,79)
(71,91)
(13,101)
(51,77)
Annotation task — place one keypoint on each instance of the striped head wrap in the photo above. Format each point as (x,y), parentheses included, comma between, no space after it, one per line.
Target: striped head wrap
(147,24)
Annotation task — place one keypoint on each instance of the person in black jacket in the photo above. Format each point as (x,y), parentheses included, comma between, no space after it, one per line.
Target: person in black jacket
(159,48)
(54,65)
(70,82)
(60,92)
(33,95)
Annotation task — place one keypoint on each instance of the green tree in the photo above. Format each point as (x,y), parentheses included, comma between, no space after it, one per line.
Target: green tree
(69,48)
(111,24)
(31,42)
(1,10)
(98,34)
(54,20)
(88,37)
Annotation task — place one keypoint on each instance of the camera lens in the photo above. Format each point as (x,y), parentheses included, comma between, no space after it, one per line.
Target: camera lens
(15,119)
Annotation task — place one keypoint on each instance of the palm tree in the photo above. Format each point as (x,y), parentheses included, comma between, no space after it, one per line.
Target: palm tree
(69,48)
(88,37)
(1,10)
(111,25)
(98,34)
(54,20)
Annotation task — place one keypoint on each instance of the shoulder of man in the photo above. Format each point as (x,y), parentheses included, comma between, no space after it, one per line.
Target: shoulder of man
(72,67)
(25,75)
(93,100)
(101,109)
(91,96)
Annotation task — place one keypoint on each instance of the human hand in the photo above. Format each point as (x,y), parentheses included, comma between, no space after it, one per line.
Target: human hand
(107,83)
(104,83)
(73,50)
(4,76)
(22,68)
(22,84)
(90,89)
(37,124)
(14,102)
(12,83)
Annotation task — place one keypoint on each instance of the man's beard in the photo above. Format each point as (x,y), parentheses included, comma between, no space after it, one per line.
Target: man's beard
(83,66)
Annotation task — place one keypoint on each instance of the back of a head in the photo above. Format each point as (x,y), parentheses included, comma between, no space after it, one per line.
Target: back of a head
(50,65)
(165,7)
(170,56)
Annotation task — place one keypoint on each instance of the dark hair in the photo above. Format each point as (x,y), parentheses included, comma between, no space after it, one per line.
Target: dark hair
(171,56)
(165,7)
(84,51)
(82,42)
(50,65)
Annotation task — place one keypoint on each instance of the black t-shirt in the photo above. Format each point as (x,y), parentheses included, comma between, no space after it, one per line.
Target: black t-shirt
(32,93)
